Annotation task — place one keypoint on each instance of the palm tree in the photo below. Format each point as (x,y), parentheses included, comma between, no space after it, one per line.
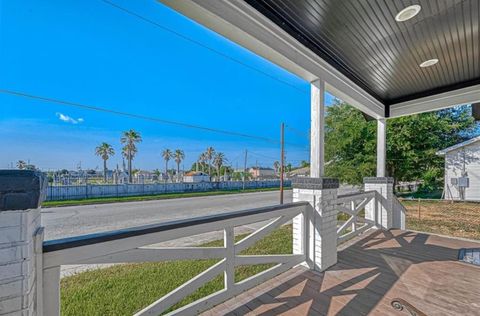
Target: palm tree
(201,159)
(276,166)
(179,155)
(130,139)
(218,161)
(105,151)
(21,165)
(209,153)
(167,155)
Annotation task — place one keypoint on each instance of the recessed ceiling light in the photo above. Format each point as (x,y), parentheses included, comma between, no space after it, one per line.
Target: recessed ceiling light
(408,13)
(428,63)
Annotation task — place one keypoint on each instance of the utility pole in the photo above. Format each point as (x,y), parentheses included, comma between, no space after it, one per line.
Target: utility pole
(245,168)
(282,159)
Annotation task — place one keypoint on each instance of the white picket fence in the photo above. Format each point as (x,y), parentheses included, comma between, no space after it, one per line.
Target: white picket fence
(71,192)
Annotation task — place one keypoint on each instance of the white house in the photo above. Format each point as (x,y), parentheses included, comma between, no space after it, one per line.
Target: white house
(196,176)
(462,170)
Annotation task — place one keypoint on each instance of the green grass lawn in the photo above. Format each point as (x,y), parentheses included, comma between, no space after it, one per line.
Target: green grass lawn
(163,196)
(125,289)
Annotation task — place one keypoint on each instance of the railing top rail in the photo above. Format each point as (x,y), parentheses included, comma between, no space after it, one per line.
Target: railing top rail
(89,239)
(361,193)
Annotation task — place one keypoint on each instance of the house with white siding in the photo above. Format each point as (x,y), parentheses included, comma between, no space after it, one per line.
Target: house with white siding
(462,170)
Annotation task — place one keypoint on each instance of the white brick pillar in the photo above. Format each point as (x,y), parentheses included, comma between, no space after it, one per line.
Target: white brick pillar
(21,193)
(380,210)
(320,242)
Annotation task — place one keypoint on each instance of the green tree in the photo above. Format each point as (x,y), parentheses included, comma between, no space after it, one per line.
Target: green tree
(304,164)
(167,155)
(350,144)
(276,167)
(288,167)
(218,161)
(201,161)
(209,154)
(179,155)
(130,139)
(105,151)
(412,143)
(157,174)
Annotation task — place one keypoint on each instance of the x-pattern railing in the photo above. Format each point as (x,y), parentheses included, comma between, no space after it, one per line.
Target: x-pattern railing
(127,246)
(353,204)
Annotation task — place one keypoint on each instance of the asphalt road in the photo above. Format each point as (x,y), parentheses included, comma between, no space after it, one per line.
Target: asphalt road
(60,222)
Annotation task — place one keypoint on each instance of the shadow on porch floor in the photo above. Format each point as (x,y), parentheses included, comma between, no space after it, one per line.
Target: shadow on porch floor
(419,268)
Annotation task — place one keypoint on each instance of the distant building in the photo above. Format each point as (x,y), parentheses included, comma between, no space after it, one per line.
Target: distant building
(195,177)
(261,172)
(462,170)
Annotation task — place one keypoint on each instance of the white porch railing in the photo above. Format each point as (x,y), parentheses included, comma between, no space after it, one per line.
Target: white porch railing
(128,245)
(353,205)
(399,213)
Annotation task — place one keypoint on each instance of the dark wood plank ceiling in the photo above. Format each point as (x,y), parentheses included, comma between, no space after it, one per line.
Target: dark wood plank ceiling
(362,39)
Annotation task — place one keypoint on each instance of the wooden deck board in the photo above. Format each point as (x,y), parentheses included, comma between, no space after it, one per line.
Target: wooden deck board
(419,268)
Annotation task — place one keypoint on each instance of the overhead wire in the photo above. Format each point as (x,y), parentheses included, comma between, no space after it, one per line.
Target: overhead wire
(198,43)
(139,116)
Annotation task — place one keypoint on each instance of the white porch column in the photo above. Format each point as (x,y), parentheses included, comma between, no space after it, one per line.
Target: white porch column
(317,129)
(321,242)
(381,147)
(21,193)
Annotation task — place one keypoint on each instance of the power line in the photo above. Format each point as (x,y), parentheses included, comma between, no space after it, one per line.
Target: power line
(298,132)
(139,116)
(262,155)
(198,43)
(132,115)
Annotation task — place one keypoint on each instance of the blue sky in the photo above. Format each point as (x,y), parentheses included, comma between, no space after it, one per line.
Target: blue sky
(92,53)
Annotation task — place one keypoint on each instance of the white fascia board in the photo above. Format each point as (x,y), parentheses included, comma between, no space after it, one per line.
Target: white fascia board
(436,102)
(239,22)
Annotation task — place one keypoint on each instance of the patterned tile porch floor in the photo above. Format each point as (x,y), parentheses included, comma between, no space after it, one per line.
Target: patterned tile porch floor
(419,268)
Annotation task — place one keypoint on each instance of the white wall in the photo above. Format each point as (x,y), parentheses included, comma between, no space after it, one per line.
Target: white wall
(196,178)
(453,169)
